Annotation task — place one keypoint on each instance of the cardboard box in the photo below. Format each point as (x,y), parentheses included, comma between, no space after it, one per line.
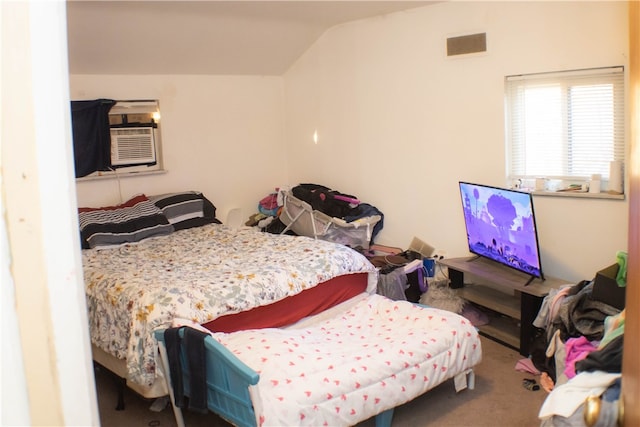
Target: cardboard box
(606,289)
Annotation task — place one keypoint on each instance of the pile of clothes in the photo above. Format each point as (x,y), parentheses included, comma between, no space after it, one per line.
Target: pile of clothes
(578,351)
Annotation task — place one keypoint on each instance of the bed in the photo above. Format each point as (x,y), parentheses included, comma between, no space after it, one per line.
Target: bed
(142,276)
(152,259)
(357,360)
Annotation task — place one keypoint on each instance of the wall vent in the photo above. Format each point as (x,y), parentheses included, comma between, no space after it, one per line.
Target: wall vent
(462,45)
(133,146)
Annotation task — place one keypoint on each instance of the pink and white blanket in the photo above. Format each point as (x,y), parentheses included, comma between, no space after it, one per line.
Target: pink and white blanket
(349,367)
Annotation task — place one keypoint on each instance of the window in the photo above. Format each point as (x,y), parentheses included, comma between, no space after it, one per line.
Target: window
(115,138)
(565,126)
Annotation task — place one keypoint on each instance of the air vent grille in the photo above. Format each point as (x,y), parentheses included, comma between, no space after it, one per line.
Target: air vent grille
(462,45)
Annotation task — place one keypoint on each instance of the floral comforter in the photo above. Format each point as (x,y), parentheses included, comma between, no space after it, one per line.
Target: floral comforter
(198,274)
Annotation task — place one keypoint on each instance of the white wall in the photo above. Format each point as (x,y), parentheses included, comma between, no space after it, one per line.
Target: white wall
(222,135)
(399,123)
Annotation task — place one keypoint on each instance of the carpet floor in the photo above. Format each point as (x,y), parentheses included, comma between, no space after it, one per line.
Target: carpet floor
(498,399)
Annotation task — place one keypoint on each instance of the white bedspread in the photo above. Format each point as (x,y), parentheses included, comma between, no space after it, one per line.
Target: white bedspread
(198,274)
(375,356)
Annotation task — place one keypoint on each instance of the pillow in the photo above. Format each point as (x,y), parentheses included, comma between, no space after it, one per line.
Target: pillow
(186,209)
(132,221)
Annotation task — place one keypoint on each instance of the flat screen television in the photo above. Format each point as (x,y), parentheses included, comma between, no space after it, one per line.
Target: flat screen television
(501,226)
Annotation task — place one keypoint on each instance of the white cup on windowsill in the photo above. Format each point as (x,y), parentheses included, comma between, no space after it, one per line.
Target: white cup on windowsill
(594,184)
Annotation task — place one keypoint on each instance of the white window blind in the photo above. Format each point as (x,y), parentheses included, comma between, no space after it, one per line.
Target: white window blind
(565,125)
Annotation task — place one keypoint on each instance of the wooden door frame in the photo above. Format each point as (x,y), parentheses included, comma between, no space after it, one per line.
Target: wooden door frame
(631,355)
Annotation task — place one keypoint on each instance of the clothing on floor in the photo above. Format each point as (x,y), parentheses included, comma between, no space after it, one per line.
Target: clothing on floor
(576,349)
(580,315)
(607,359)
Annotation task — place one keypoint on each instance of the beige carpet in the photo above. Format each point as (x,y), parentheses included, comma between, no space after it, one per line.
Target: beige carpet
(499,399)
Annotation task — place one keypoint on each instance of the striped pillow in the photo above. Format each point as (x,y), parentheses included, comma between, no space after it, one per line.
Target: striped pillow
(185,209)
(132,221)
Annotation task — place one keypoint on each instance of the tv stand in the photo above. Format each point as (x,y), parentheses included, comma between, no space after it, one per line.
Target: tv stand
(529,277)
(506,292)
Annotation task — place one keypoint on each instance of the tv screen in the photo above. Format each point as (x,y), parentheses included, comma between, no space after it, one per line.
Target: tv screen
(501,226)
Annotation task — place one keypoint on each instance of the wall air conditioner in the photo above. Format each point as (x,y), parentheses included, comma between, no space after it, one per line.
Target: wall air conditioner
(132,146)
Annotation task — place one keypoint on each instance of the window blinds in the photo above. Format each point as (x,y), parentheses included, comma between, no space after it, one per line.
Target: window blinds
(565,125)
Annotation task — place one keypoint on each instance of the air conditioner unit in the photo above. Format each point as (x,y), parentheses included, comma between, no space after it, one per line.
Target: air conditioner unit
(132,146)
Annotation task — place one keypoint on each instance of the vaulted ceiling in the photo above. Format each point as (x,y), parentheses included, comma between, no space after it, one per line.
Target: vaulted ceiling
(204,37)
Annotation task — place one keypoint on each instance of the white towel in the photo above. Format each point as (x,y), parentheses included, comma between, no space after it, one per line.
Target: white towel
(566,398)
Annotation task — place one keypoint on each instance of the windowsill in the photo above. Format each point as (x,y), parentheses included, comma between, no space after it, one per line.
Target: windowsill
(579,194)
(118,175)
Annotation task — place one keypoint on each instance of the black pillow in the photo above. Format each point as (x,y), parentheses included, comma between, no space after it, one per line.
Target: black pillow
(186,209)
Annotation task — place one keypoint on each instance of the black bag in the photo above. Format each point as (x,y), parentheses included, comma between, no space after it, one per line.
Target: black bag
(323,199)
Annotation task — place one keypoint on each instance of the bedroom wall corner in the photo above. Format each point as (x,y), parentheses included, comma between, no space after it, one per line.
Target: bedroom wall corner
(399,123)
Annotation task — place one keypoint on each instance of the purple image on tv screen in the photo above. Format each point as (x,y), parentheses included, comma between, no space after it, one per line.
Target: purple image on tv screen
(501,226)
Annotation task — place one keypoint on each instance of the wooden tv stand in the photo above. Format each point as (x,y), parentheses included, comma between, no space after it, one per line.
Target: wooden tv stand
(504,291)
